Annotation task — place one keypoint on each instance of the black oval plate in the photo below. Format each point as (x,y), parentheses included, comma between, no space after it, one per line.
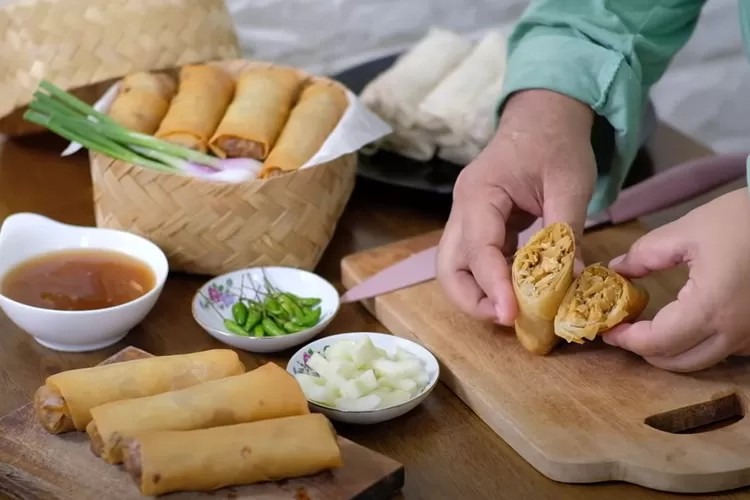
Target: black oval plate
(435,176)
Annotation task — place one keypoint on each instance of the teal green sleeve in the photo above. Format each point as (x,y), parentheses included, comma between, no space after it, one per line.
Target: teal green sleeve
(744,8)
(606,54)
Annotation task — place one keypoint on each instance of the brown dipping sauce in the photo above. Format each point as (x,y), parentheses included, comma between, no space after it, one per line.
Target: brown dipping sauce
(78,280)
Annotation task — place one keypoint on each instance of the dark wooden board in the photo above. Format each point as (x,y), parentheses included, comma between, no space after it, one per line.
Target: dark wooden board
(37,465)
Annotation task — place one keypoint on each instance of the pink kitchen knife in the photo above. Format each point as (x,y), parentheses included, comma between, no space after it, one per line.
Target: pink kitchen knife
(664,190)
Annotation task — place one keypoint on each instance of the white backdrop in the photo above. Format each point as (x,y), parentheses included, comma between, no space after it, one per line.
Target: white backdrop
(704,93)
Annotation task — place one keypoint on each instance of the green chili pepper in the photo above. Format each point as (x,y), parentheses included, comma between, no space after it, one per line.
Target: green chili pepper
(239,312)
(310,319)
(233,327)
(253,318)
(303,301)
(291,307)
(258,330)
(272,328)
(292,327)
(272,306)
(308,301)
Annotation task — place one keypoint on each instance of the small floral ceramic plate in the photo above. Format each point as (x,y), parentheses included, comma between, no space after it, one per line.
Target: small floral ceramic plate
(215,304)
(390,344)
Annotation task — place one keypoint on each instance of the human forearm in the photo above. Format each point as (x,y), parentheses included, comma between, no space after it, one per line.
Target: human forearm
(606,55)
(529,111)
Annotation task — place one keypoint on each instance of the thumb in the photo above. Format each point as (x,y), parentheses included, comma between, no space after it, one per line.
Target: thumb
(567,208)
(660,249)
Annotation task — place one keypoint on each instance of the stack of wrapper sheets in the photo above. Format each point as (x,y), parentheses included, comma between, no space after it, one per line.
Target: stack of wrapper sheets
(441,96)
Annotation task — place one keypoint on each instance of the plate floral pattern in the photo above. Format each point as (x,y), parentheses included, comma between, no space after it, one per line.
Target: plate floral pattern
(301,367)
(219,295)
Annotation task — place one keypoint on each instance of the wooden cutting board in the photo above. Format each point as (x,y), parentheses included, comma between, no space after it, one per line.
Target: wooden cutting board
(37,465)
(585,413)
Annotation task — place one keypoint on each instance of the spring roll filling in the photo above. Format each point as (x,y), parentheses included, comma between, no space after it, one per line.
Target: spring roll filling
(52,410)
(544,260)
(235,147)
(597,293)
(131,452)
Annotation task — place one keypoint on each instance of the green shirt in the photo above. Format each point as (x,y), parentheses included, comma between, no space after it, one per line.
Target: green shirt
(606,54)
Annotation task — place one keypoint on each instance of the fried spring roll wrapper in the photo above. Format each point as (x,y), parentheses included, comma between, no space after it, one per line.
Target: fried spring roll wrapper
(263,393)
(209,459)
(65,401)
(542,272)
(202,98)
(319,109)
(142,101)
(261,105)
(598,300)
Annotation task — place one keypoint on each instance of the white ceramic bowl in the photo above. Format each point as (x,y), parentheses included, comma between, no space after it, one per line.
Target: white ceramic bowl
(213,303)
(389,343)
(25,235)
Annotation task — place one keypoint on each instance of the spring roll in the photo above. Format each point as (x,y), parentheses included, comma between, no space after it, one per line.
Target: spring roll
(65,400)
(598,300)
(415,144)
(208,459)
(261,105)
(266,392)
(396,93)
(442,108)
(542,272)
(203,94)
(142,101)
(320,107)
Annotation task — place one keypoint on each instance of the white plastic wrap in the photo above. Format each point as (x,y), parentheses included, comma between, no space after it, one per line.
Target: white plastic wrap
(703,93)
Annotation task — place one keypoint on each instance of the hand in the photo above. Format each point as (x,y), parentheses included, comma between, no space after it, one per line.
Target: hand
(710,320)
(539,164)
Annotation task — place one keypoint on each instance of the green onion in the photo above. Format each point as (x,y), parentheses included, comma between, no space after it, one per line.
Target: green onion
(73,119)
(92,143)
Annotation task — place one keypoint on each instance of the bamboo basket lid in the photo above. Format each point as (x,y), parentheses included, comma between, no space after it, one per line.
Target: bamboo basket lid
(82,43)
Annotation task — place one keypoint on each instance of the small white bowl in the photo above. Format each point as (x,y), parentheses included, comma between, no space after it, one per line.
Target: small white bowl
(213,303)
(25,235)
(389,343)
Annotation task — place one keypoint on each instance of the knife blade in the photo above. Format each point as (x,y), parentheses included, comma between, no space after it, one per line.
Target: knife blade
(415,269)
(663,190)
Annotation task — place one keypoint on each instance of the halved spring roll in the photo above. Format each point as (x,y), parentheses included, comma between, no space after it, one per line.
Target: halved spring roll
(203,94)
(598,300)
(65,400)
(256,116)
(319,109)
(542,272)
(209,459)
(142,101)
(263,393)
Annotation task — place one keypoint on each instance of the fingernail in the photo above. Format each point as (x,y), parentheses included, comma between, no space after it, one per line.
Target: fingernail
(578,266)
(616,261)
(502,316)
(607,339)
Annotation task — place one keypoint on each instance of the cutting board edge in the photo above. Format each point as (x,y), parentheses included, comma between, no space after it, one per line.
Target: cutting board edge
(557,470)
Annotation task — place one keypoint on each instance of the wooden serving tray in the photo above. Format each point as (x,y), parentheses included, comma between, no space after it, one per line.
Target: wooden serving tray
(585,413)
(37,465)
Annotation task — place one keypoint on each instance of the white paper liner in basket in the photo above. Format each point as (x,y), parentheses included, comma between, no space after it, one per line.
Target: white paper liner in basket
(357,127)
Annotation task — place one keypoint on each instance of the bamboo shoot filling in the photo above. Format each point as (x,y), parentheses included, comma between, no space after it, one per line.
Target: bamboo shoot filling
(596,294)
(544,259)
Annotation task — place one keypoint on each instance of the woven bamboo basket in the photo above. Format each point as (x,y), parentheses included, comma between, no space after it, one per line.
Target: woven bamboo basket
(82,46)
(207,227)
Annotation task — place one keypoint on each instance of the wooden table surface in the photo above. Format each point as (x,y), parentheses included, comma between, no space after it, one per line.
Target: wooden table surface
(448,452)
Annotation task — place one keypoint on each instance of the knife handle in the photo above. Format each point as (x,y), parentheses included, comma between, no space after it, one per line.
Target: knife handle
(679,183)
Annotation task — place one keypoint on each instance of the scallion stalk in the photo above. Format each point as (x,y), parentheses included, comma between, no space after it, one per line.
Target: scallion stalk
(117,153)
(117,131)
(75,120)
(74,103)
